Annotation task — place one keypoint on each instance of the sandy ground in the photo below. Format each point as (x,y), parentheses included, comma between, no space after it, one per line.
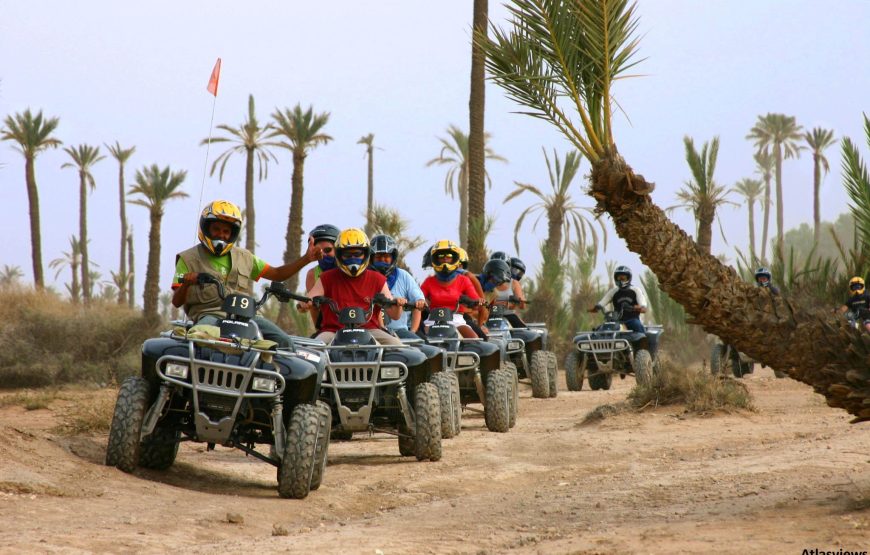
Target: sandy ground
(792,476)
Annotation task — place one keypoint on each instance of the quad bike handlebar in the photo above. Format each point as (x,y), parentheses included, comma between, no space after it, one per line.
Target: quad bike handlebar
(275,289)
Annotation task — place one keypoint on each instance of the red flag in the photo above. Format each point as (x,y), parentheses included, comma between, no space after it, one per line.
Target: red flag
(215,77)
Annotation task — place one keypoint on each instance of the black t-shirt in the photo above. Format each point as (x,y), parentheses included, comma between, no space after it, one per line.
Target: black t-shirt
(859,304)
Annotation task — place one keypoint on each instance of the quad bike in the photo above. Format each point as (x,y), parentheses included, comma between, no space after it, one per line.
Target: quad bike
(724,357)
(225,385)
(479,370)
(380,388)
(611,349)
(530,357)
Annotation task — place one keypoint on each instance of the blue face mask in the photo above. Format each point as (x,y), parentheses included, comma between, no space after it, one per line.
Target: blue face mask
(326,263)
(382,267)
(353,261)
(487,283)
(517,276)
(446,276)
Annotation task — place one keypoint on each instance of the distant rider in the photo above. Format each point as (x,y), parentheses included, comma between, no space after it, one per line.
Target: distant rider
(447,285)
(858,302)
(385,257)
(625,290)
(323,237)
(763,279)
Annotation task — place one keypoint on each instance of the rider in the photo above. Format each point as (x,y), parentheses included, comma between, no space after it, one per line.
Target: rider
(351,284)
(496,280)
(858,301)
(444,289)
(323,237)
(518,270)
(625,290)
(762,279)
(384,258)
(217,255)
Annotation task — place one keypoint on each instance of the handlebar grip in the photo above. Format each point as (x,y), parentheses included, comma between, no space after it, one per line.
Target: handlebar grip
(300,298)
(203,278)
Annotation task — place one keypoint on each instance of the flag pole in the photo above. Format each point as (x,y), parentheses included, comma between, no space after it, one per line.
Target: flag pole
(212,88)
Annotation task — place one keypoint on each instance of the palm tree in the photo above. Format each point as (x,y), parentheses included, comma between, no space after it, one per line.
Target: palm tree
(155,188)
(251,140)
(131,273)
(122,155)
(84,157)
(559,61)
(764,166)
(390,222)
(750,190)
(477,177)
(71,260)
(33,135)
(301,132)
(454,153)
(818,140)
(856,177)
(368,141)
(559,208)
(701,193)
(780,134)
(9,276)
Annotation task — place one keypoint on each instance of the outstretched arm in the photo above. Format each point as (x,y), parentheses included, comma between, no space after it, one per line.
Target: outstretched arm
(282,273)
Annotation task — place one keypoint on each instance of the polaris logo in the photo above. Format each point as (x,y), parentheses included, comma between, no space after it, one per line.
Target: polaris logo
(236,323)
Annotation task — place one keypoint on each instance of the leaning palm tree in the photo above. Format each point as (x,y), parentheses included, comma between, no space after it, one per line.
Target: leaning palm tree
(155,188)
(368,141)
(780,134)
(71,260)
(250,139)
(818,140)
(454,153)
(558,207)
(750,190)
(701,194)
(559,60)
(84,157)
(33,135)
(300,132)
(477,140)
(122,155)
(764,166)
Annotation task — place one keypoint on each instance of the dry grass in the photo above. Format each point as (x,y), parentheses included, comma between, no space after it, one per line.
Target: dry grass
(87,414)
(49,341)
(601,412)
(30,400)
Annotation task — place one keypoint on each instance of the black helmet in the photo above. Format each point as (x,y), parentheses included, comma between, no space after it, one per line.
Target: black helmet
(762,272)
(498,270)
(518,268)
(625,271)
(427,258)
(500,255)
(384,244)
(324,232)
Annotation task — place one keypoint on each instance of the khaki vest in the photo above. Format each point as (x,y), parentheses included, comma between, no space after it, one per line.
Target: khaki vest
(204,299)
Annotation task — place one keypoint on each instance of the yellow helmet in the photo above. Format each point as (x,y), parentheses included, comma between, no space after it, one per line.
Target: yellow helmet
(856,285)
(219,211)
(453,254)
(463,258)
(352,238)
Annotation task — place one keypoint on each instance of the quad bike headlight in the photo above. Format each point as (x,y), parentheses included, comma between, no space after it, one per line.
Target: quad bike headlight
(620,344)
(176,370)
(514,345)
(465,360)
(585,347)
(267,385)
(390,373)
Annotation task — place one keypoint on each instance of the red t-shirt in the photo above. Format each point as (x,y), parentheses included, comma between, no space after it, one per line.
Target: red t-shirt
(347,292)
(446,295)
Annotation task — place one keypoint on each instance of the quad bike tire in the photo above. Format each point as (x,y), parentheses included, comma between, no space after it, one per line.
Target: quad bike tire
(552,373)
(444,384)
(457,403)
(574,375)
(406,440)
(599,380)
(540,375)
(717,359)
(124,448)
(510,370)
(643,367)
(322,450)
(780,374)
(296,472)
(340,435)
(427,414)
(498,402)
(158,450)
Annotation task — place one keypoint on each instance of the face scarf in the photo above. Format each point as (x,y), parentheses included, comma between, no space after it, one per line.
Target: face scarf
(446,276)
(353,262)
(488,284)
(383,267)
(326,263)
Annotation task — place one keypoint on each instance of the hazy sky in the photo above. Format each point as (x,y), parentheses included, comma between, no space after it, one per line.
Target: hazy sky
(398,69)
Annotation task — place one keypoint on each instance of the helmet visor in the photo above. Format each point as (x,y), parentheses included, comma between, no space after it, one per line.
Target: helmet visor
(856,286)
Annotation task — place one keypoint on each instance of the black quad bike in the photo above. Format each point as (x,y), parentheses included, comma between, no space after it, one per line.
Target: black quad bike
(380,388)
(611,349)
(526,349)
(480,371)
(226,389)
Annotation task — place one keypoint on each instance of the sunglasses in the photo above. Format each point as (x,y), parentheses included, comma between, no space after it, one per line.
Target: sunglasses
(352,254)
(441,257)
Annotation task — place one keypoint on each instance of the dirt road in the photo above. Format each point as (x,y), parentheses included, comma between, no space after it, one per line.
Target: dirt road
(792,476)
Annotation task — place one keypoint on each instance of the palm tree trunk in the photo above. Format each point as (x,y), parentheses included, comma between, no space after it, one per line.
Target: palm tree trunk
(765,226)
(35,235)
(780,252)
(131,288)
(294,233)
(705,229)
(250,243)
(463,215)
(476,139)
(74,286)
(122,289)
(752,232)
(811,346)
(371,190)
(555,224)
(152,274)
(83,237)
(817,182)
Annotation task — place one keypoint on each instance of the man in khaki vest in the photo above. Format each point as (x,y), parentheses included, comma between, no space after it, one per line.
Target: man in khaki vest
(219,226)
